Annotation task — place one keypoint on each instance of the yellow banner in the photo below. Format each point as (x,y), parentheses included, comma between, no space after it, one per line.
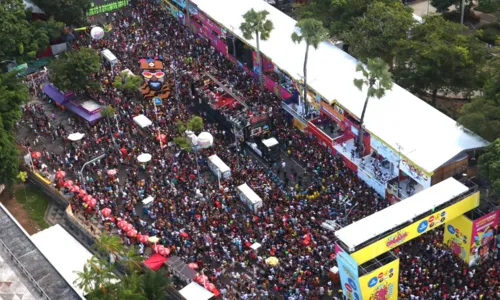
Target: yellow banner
(299,125)
(457,236)
(416,229)
(382,283)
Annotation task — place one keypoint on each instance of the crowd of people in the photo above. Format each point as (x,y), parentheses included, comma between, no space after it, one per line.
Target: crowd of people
(202,222)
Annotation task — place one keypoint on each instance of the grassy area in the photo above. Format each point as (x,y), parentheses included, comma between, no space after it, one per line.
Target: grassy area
(34,201)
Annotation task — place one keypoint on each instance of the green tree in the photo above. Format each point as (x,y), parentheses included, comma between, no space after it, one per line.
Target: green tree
(74,69)
(46,31)
(313,33)
(155,284)
(13,94)
(127,82)
(256,22)
(377,79)
(380,31)
(337,15)
(70,12)
(439,58)
(489,165)
(195,124)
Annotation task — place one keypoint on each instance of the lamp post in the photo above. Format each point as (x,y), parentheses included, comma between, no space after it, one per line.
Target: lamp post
(156,115)
(82,178)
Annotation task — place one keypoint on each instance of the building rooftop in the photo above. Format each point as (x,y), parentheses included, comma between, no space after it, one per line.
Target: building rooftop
(38,270)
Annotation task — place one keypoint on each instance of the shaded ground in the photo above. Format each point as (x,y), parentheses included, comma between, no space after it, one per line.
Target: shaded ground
(28,210)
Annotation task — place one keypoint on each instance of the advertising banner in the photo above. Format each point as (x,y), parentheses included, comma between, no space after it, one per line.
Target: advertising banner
(323,139)
(457,236)
(418,175)
(416,229)
(331,112)
(348,271)
(483,243)
(382,283)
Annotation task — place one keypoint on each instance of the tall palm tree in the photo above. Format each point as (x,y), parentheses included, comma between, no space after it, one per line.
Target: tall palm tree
(109,244)
(256,23)
(313,33)
(378,79)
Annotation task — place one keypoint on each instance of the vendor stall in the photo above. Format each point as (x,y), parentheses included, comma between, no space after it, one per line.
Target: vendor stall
(218,167)
(142,121)
(249,197)
(147,203)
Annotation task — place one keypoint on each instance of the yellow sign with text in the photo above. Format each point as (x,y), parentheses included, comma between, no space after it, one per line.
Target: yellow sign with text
(457,236)
(382,283)
(416,229)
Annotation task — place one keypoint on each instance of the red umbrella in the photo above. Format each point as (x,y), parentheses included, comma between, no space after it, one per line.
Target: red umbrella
(87,198)
(106,212)
(201,278)
(75,189)
(184,235)
(112,172)
(92,202)
(121,223)
(143,238)
(162,136)
(123,151)
(158,248)
(82,193)
(68,183)
(193,266)
(60,174)
(132,233)
(128,227)
(36,155)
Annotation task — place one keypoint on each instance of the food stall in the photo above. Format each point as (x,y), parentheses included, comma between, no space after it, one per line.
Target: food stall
(249,197)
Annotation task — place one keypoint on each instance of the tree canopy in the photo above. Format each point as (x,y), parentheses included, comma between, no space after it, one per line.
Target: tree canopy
(337,15)
(13,94)
(74,69)
(70,12)
(489,165)
(380,31)
(438,57)
(128,82)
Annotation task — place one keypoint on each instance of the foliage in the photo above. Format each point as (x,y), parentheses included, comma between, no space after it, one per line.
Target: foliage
(108,111)
(256,22)
(488,35)
(380,31)
(100,280)
(46,31)
(128,82)
(488,6)
(489,165)
(482,114)
(195,124)
(73,70)
(13,94)
(443,5)
(70,12)
(183,143)
(22,176)
(313,33)
(34,201)
(439,58)
(337,15)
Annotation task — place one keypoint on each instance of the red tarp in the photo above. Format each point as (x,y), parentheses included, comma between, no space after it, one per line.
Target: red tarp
(155,261)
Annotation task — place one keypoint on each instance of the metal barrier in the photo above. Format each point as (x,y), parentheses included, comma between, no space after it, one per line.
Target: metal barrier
(25,272)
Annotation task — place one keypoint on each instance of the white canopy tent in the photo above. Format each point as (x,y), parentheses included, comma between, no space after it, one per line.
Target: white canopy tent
(148,200)
(428,138)
(270,142)
(194,291)
(395,215)
(64,252)
(142,121)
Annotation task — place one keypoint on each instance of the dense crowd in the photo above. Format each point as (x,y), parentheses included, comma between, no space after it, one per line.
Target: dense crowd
(207,224)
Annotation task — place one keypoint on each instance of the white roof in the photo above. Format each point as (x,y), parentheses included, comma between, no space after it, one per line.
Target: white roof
(148,200)
(365,229)
(428,137)
(109,55)
(219,163)
(270,142)
(249,193)
(142,121)
(194,291)
(64,252)
(255,246)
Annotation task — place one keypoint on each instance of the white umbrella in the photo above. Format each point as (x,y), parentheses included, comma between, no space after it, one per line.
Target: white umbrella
(205,140)
(144,157)
(97,33)
(75,136)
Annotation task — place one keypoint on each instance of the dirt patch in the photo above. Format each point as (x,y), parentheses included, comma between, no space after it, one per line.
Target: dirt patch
(20,213)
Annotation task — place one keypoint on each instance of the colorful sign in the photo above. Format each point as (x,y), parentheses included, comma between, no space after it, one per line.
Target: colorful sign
(348,271)
(483,243)
(332,113)
(323,138)
(301,126)
(382,283)
(457,236)
(416,229)
(414,172)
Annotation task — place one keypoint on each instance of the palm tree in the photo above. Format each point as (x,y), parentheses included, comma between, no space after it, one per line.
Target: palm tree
(108,112)
(256,22)
(155,284)
(109,244)
(378,79)
(313,33)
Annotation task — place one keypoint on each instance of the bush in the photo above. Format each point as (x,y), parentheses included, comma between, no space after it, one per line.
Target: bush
(469,16)
(488,35)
